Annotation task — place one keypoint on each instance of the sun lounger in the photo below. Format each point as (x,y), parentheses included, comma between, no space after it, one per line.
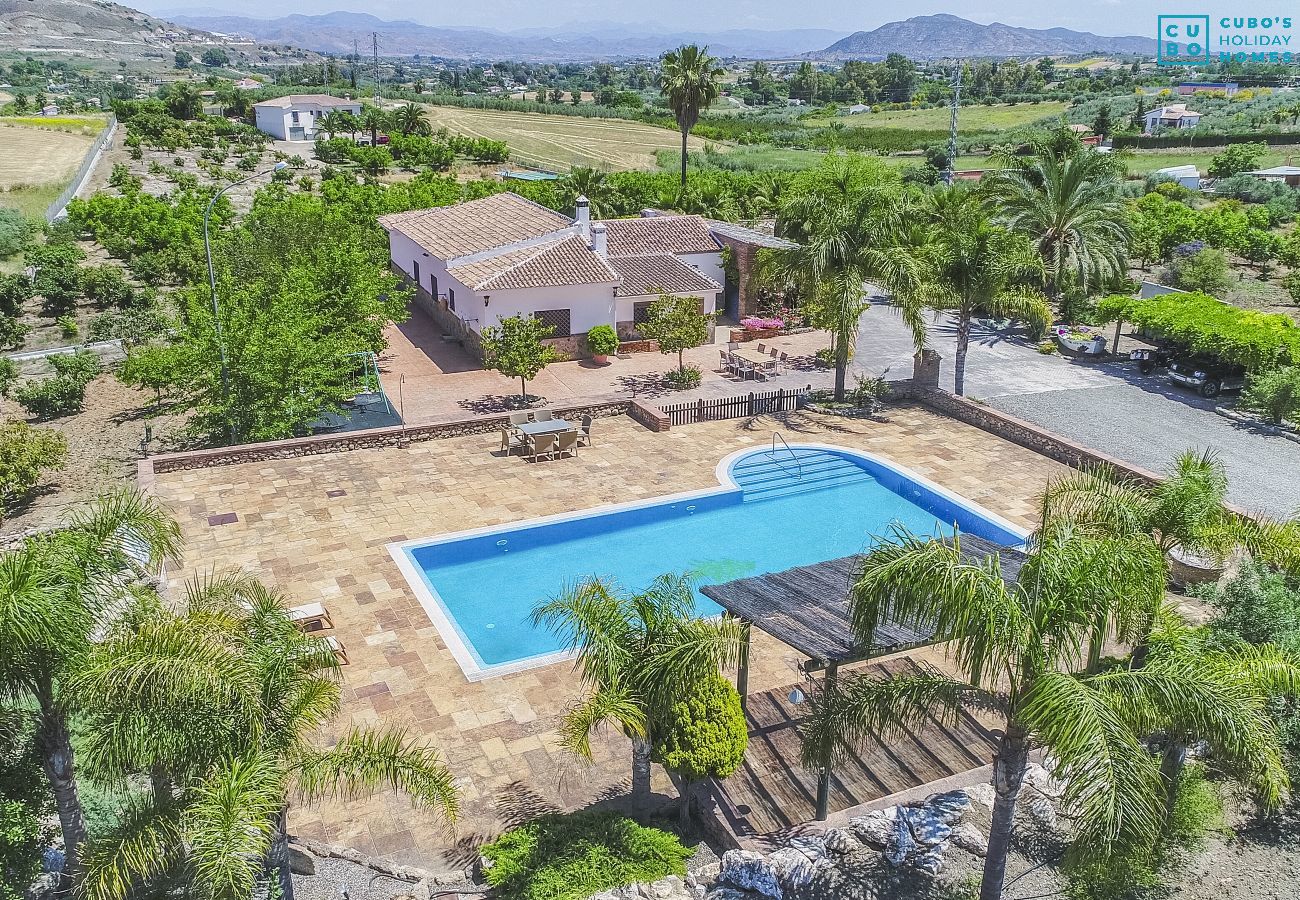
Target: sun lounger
(311,617)
(340,652)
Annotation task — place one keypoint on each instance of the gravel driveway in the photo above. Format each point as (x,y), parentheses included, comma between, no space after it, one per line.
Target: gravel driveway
(1108,406)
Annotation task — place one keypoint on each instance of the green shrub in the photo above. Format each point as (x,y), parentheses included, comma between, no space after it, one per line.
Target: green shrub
(15,232)
(568,857)
(27,453)
(602,340)
(1274,394)
(67,326)
(83,365)
(685,378)
(8,376)
(52,397)
(106,285)
(1205,271)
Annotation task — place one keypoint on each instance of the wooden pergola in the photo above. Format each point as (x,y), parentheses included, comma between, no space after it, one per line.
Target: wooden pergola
(807,609)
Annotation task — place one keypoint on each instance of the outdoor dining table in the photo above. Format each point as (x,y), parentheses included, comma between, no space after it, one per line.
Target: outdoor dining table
(549,426)
(755,358)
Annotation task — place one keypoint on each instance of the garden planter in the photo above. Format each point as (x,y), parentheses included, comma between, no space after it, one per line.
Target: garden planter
(1081,342)
(600,359)
(740,335)
(1186,568)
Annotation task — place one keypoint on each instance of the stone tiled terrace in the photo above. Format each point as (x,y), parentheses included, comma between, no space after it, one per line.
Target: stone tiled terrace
(297,532)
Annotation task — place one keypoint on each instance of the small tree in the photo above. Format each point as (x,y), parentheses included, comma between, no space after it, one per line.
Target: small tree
(678,324)
(1236,158)
(1275,394)
(514,348)
(1205,271)
(27,453)
(702,735)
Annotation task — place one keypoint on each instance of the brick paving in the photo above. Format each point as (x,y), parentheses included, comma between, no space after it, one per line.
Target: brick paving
(295,531)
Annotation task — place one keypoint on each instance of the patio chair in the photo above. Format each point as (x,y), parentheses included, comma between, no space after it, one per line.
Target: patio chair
(510,439)
(311,617)
(783,362)
(584,433)
(340,652)
(541,445)
(518,418)
(733,345)
(543,415)
(567,442)
(762,348)
(725,364)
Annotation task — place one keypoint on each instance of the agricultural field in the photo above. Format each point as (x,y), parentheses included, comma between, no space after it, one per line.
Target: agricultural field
(561,142)
(971,118)
(36,162)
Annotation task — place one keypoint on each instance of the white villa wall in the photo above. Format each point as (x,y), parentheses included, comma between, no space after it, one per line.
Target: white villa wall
(273,121)
(277,121)
(708,263)
(625,304)
(589,305)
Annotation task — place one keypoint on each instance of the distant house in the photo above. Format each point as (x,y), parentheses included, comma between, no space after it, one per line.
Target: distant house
(294,118)
(247,84)
(49,109)
(1170,117)
(1288,175)
(477,263)
(1188,176)
(1188,88)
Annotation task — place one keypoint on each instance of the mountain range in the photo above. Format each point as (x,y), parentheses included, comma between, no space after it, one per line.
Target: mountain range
(929,37)
(335,32)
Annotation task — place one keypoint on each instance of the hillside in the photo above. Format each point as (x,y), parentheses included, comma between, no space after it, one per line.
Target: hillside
(335,32)
(927,37)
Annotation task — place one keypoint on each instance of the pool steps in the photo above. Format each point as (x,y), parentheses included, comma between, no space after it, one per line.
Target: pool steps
(766,475)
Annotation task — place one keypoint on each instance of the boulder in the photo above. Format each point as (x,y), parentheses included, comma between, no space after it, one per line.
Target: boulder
(1042,781)
(983,794)
(750,871)
(812,846)
(874,828)
(722,892)
(793,870)
(931,861)
(1042,811)
(969,838)
(926,827)
(301,862)
(842,841)
(901,844)
(662,889)
(949,806)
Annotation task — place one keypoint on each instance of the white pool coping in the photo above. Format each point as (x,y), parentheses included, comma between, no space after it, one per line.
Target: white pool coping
(462,649)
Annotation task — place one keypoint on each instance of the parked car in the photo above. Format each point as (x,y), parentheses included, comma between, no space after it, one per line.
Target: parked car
(1149,360)
(1209,376)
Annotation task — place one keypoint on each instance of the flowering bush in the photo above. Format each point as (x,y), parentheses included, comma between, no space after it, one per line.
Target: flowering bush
(755,324)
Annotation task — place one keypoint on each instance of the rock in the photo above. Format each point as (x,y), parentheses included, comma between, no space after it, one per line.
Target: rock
(901,844)
(421,891)
(1042,781)
(927,828)
(842,841)
(726,893)
(873,829)
(969,838)
(982,794)
(301,862)
(931,861)
(749,870)
(484,863)
(793,870)
(949,806)
(1042,811)
(811,846)
(661,889)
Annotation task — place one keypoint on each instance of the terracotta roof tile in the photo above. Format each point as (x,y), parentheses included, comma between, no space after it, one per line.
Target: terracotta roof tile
(552,264)
(659,234)
(467,228)
(657,272)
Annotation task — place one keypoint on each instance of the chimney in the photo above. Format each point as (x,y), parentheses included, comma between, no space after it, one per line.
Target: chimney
(582,213)
(599,240)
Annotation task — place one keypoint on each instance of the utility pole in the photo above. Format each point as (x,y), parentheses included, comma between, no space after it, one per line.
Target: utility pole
(950,174)
(374,37)
(356,62)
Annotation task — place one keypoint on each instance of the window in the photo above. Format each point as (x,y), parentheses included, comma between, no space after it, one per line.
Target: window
(433,285)
(294,117)
(557,319)
(451,299)
(641,312)
(416,266)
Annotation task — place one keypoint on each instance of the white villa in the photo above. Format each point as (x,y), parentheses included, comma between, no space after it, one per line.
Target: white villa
(1170,117)
(502,256)
(294,117)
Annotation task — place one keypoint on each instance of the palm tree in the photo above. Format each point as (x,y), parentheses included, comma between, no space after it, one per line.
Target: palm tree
(219,703)
(1068,202)
(585,181)
(688,80)
(977,266)
(331,124)
(635,654)
(1013,641)
(374,120)
(850,226)
(56,592)
(410,119)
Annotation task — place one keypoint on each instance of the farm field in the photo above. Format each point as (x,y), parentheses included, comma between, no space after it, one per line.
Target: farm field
(971,118)
(35,164)
(561,142)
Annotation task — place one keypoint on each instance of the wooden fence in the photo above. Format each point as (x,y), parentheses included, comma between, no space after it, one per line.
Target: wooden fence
(740,406)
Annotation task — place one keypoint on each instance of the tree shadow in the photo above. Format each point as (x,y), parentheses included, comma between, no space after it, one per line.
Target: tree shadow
(489,404)
(646,384)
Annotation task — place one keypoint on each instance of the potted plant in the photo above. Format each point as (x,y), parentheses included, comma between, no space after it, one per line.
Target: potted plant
(602,340)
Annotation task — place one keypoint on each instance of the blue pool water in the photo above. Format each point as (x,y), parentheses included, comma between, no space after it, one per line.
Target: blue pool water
(781,513)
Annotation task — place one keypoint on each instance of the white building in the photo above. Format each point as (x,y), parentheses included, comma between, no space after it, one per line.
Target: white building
(294,118)
(1173,117)
(1188,176)
(502,256)
(1289,175)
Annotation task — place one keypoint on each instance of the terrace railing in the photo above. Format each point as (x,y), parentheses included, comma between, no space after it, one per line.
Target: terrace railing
(739,406)
(55,209)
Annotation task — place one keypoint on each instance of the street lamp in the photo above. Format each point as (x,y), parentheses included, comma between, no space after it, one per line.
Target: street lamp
(212,281)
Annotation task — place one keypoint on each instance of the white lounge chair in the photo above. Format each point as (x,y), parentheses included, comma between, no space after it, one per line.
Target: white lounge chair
(311,617)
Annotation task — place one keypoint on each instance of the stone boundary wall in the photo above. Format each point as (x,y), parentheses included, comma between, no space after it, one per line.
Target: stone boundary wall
(374,438)
(651,417)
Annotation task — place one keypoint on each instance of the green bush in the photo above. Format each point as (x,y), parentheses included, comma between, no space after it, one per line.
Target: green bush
(685,378)
(568,857)
(27,453)
(67,326)
(1274,395)
(8,376)
(15,232)
(1202,324)
(50,398)
(1205,271)
(703,734)
(106,285)
(83,365)
(602,340)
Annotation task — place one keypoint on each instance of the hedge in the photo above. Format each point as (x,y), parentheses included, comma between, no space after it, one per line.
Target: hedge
(1203,324)
(1161,141)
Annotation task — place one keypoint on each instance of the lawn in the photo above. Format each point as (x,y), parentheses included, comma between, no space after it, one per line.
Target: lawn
(36,163)
(561,142)
(971,118)
(1143,162)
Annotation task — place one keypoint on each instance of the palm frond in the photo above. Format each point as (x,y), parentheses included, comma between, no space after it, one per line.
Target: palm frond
(610,705)
(146,843)
(229,824)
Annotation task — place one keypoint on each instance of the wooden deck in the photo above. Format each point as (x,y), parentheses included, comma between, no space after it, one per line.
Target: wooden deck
(771,792)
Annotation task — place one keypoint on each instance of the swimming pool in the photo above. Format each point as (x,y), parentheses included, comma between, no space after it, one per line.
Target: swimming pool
(774,510)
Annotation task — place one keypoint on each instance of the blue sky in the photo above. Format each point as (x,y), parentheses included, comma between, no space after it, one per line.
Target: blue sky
(1100,16)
